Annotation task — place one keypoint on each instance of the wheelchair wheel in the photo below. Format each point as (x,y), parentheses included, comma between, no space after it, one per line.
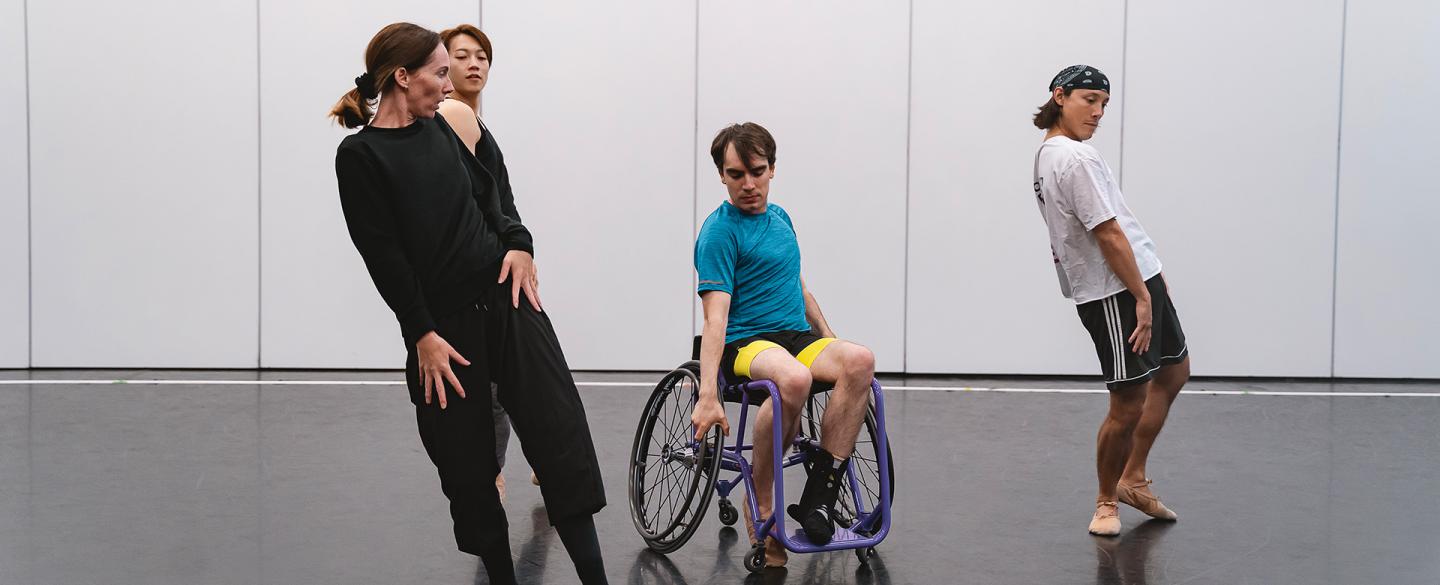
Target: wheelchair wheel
(672,477)
(864,465)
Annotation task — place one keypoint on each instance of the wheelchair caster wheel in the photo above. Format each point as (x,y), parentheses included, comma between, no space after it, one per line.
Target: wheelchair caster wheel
(864,554)
(728,515)
(755,560)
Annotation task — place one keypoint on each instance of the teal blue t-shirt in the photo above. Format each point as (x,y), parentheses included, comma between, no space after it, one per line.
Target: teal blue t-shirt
(756,259)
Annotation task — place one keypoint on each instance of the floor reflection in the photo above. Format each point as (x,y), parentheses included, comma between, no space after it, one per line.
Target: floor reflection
(1126,560)
(531,563)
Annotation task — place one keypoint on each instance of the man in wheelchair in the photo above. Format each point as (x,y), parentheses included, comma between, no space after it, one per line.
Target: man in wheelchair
(762,323)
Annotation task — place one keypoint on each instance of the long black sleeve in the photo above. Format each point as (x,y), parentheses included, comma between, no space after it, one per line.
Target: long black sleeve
(426,217)
(372,229)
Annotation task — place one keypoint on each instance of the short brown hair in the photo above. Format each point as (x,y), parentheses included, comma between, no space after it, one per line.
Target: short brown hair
(1049,113)
(399,45)
(751,140)
(449,34)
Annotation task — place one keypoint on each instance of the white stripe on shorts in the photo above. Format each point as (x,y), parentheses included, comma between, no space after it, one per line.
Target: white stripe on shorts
(1120,335)
(1112,321)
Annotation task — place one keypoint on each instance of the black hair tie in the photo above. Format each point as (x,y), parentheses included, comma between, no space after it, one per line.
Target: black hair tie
(365,84)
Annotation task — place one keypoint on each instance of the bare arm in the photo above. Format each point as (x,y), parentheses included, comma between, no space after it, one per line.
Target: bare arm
(1121,260)
(708,410)
(813,314)
(462,120)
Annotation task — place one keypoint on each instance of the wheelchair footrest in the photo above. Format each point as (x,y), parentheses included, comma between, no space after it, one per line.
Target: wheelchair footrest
(844,538)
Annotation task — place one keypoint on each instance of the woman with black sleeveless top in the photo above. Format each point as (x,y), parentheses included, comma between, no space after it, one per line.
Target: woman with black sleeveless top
(428,220)
(470,56)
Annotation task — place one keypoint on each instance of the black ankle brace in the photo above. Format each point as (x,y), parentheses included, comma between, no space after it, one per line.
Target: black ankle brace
(822,485)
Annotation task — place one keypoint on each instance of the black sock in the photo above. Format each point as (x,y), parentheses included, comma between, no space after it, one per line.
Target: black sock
(498,565)
(578,535)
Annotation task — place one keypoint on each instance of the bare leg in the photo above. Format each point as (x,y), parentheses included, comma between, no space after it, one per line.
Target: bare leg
(1160,394)
(1114,442)
(1112,448)
(763,470)
(851,367)
(793,380)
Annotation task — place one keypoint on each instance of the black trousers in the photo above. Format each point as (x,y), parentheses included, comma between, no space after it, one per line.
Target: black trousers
(518,351)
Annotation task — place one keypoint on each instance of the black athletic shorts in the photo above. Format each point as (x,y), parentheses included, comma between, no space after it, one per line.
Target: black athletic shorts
(1111,320)
(804,345)
(735,360)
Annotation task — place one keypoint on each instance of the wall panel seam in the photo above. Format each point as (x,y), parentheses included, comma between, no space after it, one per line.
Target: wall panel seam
(1339,150)
(695,167)
(1125,84)
(29,203)
(259,201)
(909,136)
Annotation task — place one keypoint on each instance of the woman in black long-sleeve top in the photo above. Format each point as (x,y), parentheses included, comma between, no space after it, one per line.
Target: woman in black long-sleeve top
(427,219)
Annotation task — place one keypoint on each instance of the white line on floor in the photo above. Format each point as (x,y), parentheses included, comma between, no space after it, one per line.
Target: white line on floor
(1201,392)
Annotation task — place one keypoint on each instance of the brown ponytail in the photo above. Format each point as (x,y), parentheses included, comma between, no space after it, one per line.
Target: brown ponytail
(352,111)
(397,46)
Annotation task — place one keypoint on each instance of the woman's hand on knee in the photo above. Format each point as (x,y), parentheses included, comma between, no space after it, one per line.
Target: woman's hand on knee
(434,354)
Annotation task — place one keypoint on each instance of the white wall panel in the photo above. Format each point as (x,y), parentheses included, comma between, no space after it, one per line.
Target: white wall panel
(1232,113)
(144,183)
(319,307)
(14,194)
(1386,318)
(828,79)
(983,296)
(594,107)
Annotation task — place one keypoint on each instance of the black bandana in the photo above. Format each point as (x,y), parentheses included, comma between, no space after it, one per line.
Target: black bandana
(1080,77)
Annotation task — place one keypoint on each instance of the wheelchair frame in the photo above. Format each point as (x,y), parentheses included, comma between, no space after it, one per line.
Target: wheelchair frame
(861,533)
(732,459)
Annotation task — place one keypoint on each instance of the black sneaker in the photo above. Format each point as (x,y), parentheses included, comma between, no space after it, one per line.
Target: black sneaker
(818,523)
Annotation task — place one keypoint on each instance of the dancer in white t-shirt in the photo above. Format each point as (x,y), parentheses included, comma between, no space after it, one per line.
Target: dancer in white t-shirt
(1107,265)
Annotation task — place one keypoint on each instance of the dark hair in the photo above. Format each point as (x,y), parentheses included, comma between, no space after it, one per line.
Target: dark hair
(397,46)
(751,140)
(449,34)
(1049,113)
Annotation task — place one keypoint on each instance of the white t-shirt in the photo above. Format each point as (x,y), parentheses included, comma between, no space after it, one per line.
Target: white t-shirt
(1076,192)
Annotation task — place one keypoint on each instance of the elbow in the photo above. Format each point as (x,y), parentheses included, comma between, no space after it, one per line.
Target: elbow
(716,323)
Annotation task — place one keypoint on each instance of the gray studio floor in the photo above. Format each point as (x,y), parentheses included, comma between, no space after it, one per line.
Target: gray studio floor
(314,484)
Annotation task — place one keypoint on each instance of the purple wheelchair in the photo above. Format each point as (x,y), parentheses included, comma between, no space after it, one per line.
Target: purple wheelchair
(672,476)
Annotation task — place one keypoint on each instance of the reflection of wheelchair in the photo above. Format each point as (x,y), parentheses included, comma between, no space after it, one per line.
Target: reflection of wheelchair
(672,476)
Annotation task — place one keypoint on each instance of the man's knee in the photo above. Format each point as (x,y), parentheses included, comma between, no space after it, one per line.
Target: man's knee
(1127,404)
(858,360)
(794,384)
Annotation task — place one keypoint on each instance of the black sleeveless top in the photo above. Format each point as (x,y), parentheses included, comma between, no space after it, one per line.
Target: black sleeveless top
(487,151)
